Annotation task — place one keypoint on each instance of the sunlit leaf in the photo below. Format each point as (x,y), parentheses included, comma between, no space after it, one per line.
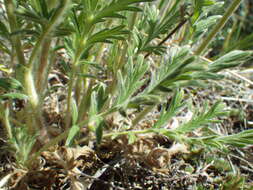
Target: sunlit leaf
(72,133)
(14,96)
(74,111)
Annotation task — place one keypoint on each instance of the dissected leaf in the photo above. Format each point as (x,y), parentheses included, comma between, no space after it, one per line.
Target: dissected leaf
(204,117)
(10,84)
(106,35)
(174,107)
(242,139)
(231,59)
(112,9)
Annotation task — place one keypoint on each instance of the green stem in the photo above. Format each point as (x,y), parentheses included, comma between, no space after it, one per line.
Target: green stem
(120,60)
(52,59)
(229,36)
(84,105)
(80,49)
(100,53)
(49,28)
(29,81)
(35,121)
(231,9)
(29,84)
(124,51)
(71,85)
(41,79)
(10,9)
(82,87)
(136,132)
(7,121)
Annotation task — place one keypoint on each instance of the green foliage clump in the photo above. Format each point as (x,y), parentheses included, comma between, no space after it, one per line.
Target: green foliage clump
(120,55)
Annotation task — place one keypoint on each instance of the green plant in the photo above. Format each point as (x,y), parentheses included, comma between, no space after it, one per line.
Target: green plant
(125,45)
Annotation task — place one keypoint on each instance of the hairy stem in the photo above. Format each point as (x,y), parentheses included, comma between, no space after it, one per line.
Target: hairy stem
(170,34)
(35,121)
(81,48)
(46,33)
(29,80)
(7,121)
(121,60)
(127,132)
(71,86)
(84,105)
(41,79)
(10,9)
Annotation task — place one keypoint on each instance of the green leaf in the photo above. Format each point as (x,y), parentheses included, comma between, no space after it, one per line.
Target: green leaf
(157,26)
(176,72)
(131,138)
(74,111)
(102,96)
(129,84)
(99,132)
(144,99)
(93,64)
(204,24)
(242,139)
(174,107)
(198,5)
(4,32)
(231,59)
(168,70)
(44,9)
(107,34)
(4,48)
(243,44)
(10,84)
(23,143)
(206,76)
(203,118)
(30,14)
(63,31)
(94,118)
(26,32)
(117,6)
(69,47)
(72,133)
(94,105)
(14,96)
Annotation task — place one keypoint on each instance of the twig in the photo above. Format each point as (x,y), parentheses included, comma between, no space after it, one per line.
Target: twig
(246,168)
(236,99)
(170,34)
(242,159)
(231,164)
(240,77)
